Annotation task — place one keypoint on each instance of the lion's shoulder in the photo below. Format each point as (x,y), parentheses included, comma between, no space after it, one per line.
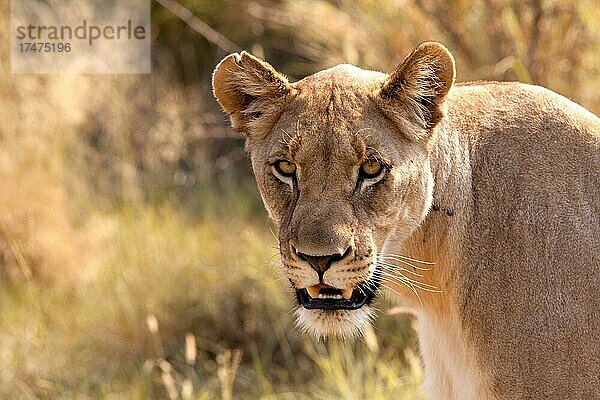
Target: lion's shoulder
(529,112)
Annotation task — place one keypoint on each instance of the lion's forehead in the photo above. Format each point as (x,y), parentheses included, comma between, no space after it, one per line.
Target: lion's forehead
(336,94)
(344,75)
(329,118)
(328,125)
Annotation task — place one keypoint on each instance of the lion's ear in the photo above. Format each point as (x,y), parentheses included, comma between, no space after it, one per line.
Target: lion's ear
(417,88)
(244,85)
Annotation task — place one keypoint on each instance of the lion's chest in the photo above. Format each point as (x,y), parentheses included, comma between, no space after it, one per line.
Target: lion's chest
(451,372)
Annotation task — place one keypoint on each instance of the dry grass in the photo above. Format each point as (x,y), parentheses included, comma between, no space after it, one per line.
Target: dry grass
(124,332)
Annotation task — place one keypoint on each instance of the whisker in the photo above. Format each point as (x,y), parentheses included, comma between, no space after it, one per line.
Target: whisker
(417,285)
(362,291)
(408,285)
(370,286)
(397,267)
(384,272)
(414,284)
(396,270)
(385,277)
(403,277)
(363,129)
(407,258)
(378,155)
(273,233)
(407,263)
(285,133)
(388,288)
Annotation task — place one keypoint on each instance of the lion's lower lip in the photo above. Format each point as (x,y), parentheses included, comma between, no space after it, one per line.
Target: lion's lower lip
(362,294)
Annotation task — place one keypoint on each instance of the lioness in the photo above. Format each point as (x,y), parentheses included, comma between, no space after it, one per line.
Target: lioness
(477,203)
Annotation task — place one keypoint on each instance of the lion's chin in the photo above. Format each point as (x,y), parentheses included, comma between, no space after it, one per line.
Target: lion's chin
(334,323)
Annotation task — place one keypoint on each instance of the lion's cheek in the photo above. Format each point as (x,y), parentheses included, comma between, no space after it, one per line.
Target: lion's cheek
(276,197)
(401,207)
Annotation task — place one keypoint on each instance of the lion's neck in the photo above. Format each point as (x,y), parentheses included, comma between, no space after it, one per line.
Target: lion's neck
(452,367)
(440,238)
(451,168)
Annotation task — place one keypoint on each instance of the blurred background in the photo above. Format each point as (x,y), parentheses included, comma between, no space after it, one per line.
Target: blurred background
(136,261)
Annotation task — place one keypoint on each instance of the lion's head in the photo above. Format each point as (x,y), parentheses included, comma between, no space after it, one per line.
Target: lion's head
(341,159)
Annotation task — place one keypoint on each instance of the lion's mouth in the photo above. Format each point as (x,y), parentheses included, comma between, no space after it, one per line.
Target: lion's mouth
(324,297)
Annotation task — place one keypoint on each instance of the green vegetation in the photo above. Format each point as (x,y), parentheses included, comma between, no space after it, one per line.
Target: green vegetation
(136,261)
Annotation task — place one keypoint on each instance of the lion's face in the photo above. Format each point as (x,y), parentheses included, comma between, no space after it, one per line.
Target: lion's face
(338,180)
(342,163)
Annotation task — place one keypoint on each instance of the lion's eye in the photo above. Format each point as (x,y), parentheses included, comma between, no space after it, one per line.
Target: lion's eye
(370,169)
(285,168)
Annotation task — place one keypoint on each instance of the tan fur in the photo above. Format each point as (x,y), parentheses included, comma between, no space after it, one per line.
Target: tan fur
(498,184)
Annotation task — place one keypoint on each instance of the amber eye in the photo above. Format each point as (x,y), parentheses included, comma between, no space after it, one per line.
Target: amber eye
(285,168)
(370,169)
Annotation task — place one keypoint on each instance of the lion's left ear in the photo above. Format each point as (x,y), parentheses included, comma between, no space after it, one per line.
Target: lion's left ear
(417,88)
(246,88)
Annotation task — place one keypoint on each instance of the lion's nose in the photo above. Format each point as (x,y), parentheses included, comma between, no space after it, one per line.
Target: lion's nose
(321,263)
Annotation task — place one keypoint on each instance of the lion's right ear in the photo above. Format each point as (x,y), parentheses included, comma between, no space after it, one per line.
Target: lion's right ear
(247,88)
(416,90)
